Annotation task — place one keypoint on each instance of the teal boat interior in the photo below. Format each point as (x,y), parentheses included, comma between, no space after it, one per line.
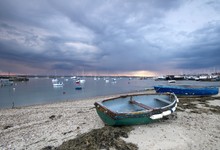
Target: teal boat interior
(127,104)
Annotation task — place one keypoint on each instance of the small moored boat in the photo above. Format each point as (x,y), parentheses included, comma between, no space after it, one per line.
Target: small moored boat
(187,90)
(171,81)
(136,109)
(58,84)
(54,80)
(78,85)
(5,82)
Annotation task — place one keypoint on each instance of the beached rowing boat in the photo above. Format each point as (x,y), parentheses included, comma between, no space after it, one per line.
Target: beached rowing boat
(136,109)
(187,90)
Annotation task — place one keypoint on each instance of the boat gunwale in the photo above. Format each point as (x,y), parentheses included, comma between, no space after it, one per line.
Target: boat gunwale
(188,87)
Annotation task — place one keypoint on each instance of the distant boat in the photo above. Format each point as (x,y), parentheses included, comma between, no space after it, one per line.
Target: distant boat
(80,81)
(187,90)
(58,84)
(77,82)
(78,85)
(5,82)
(171,81)
(204,78)
(114,80)
(177,77)
(160,78)
(136,109)
(54,80)
(73,77)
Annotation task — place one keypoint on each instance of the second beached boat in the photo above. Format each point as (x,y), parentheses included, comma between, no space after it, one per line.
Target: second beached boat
(187,90)
(136,109)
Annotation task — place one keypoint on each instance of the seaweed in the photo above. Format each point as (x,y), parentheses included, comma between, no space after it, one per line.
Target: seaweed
(104,138)
(189,103)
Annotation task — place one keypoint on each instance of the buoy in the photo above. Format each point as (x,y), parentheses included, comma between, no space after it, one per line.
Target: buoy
(156,116)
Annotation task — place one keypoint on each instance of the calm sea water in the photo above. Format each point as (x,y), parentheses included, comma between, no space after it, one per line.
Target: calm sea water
(41,91)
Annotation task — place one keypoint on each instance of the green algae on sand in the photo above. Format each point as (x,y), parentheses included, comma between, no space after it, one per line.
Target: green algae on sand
(104,138)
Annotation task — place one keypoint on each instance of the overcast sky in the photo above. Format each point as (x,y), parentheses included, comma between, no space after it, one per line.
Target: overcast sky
(131,37)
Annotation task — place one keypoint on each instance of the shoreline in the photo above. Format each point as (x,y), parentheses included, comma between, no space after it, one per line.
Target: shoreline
(195,126)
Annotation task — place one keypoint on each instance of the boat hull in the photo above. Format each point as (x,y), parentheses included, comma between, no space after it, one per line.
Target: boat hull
(184,90)
(143,116)
(78,88)
(124,121)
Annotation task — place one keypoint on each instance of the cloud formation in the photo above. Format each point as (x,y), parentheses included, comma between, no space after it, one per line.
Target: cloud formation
(109,37)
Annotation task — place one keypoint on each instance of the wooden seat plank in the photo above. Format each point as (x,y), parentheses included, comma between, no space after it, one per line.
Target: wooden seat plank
(163,100)
(140,104)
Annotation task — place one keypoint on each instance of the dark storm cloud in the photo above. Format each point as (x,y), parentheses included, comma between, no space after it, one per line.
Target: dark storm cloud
(205,51)
(109,36)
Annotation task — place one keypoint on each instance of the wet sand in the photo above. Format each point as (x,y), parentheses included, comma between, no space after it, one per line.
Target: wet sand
(195,125)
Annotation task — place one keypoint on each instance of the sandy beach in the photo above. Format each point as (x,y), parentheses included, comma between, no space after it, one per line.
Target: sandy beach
(195,125)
